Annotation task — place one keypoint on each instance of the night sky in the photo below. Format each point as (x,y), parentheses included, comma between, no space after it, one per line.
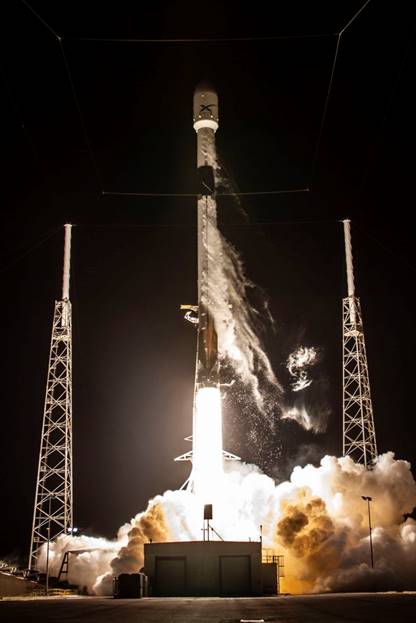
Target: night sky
(93,115)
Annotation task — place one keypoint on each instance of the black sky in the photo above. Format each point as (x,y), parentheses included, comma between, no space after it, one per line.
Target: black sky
(81,118)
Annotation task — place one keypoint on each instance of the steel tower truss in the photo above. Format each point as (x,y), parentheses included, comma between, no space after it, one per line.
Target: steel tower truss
(53,506)
(359,436)
(359,439)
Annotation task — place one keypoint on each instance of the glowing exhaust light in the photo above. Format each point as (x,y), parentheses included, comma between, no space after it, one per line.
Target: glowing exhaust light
(207,469)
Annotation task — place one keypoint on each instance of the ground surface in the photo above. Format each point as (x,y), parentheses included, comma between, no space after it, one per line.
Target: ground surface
(12,585)
(364,607)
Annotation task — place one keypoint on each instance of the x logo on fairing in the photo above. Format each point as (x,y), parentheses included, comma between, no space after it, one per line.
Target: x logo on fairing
(206,107)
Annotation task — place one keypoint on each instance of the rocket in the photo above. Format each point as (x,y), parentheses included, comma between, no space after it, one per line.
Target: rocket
(207,454)
(206,124)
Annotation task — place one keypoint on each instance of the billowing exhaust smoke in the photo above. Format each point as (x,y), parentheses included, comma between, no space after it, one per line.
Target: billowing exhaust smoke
(317,519)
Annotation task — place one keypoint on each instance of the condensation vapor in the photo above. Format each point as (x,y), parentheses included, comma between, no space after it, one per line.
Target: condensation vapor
(237,322)
(317,520)
(302,410)
(301,416)
(298,364)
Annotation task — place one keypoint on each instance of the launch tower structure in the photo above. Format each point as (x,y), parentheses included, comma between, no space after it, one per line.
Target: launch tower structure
(53,507)
(359,436)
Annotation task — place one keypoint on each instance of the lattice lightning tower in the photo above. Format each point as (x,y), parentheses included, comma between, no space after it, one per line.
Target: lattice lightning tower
(359,436)
(52,514)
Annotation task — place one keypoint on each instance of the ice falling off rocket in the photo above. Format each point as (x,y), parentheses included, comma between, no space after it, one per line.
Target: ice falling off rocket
(207,453)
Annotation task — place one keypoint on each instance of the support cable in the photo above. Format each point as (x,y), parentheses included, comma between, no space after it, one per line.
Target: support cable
(59,38)
(323,119)
(388,250)
(201,40)
(81,118)
(354,17)
(230,194)
(25,252)
(193,226)
(388,108)
(32,10)
(196,39)
(329,90)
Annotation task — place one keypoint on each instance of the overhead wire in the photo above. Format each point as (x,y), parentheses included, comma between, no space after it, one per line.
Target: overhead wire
(222,194)
(59,38)
(324,113)
(28,250)
(30,8)
(354,17)
(81,118)
(198,40)
(383,245)
(329,90)
(388,108)
(93,159)
(332,221)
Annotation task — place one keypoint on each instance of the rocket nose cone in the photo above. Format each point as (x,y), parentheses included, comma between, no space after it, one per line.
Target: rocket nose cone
(205,106)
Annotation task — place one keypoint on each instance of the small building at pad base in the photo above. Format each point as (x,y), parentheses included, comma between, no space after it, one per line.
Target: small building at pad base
(206,568)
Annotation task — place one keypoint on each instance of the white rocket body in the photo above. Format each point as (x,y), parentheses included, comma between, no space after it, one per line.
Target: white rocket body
(207,454)
(207,443)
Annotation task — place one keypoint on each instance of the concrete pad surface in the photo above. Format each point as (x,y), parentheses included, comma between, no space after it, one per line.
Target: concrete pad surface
(342,608)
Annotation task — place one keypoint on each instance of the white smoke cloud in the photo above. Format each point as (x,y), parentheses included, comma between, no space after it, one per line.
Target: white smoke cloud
(332,548)
(317,519)
(90,559)
(298,364)
(311,414)
(301,416)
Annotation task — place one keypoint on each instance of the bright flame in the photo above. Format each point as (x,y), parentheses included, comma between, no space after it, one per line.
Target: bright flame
(207,458)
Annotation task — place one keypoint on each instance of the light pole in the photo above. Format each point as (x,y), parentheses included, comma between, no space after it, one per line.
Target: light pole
(368,499)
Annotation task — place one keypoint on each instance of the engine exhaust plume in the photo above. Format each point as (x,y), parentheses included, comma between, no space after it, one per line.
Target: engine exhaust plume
(207,462)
